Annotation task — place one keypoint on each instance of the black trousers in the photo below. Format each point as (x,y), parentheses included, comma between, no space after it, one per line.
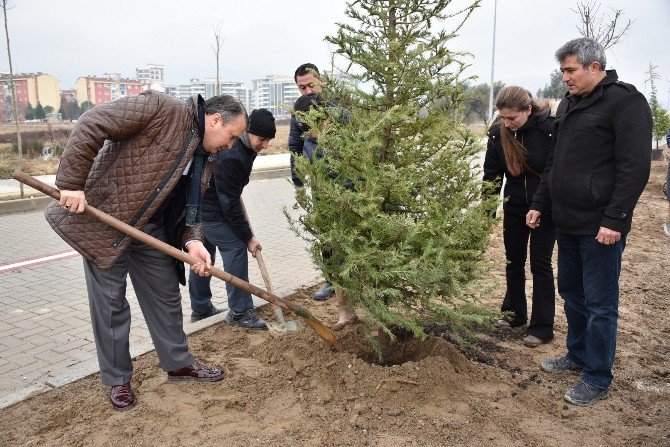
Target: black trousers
(516,235)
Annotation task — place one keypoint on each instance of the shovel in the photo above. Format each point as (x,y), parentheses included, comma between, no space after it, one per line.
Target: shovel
(115,223)
(283,325)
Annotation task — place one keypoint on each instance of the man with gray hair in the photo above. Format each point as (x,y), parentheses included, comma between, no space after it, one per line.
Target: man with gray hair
(143,160)
(598,166)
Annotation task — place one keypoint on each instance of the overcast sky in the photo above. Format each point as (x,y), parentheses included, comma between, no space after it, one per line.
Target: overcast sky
(71,38)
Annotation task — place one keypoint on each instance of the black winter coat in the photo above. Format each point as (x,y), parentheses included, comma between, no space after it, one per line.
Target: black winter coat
(535,135)
(295,145)
(222,198)
(599,161)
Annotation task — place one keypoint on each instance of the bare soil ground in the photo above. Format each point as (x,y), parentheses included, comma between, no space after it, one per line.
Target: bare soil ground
(296,391)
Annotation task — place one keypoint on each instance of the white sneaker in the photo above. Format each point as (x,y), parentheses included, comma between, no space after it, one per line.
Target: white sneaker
(666,227)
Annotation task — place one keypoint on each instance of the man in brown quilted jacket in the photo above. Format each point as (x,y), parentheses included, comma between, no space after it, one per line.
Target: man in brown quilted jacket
(141,159)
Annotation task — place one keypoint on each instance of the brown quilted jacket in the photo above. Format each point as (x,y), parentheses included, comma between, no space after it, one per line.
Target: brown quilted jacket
(126,155)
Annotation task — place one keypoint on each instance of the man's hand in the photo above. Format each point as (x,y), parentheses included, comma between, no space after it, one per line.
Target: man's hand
(253,246)
(607,236)
(73,201)
(533,218)
(198,250)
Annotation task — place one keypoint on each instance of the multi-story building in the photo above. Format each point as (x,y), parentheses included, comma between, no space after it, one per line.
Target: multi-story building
(33,88)
(5,104)
(99,90)
(277,93)
(151,74)
(207,88)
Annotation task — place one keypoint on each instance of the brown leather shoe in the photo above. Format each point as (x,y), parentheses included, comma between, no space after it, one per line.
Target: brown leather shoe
(122,397)
(197,372)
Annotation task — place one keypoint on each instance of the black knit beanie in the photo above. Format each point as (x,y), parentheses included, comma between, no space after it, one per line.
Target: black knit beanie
(262,123)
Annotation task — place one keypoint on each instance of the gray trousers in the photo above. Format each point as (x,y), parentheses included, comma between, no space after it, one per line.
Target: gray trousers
(157,289)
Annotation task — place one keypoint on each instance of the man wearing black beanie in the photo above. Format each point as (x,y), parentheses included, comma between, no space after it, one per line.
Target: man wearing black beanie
(225,224)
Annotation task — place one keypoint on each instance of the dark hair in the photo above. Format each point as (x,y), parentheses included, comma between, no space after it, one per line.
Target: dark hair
(227,106)
(305,69)
(307,102)
(519,99)
(586,49)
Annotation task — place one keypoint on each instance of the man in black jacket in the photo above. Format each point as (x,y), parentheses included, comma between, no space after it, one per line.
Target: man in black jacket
(225,224)
(598,167)
(308,81)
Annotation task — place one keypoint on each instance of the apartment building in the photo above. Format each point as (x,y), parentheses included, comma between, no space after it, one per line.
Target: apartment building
(277,93)
(207,88)
(31,88)
(151,74)
(109,87)
(5,104)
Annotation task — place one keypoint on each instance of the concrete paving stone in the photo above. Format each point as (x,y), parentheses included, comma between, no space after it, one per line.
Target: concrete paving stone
(78,354)
(74,344)
(8,367)
(49,356)
(26,378)
(22,359)
(39,347)
(12,344)
(59,337)
(57,368)
(8,331)
(27,334)
(23,324)
(15,316)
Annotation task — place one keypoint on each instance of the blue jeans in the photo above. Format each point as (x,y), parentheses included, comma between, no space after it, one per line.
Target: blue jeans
(588,282)
(235,261)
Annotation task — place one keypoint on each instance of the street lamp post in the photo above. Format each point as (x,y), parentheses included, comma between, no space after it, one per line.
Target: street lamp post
(493,60)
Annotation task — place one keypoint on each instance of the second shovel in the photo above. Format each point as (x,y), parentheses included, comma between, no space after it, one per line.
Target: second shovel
(283,325)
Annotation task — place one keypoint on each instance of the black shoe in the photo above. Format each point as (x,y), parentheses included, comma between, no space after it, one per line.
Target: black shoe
(324,292)
(562,365)
(247,319)
(585,395)
(195,316)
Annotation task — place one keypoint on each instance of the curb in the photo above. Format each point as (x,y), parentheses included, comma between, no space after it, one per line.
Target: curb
(12,206)
(40,201)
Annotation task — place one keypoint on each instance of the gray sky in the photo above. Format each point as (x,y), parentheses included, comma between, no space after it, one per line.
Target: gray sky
(71,38)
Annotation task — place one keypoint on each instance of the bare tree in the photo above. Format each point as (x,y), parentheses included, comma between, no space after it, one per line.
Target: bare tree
(218,41)
(11,86)
(606,29)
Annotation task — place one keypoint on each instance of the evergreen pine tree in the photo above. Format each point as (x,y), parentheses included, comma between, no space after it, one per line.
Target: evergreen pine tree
(29,112)
(39,112)
(555,89)
(395,200)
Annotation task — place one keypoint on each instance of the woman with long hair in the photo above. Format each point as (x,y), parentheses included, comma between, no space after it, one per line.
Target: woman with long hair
(517,150)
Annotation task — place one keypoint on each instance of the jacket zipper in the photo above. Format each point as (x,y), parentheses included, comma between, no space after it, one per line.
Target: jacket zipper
(157,191)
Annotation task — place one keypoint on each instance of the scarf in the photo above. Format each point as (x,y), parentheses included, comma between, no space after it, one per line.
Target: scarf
(193,202)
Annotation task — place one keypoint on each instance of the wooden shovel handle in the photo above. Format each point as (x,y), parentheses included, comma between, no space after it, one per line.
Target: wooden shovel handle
(264,271)
(115,223)
(259,256)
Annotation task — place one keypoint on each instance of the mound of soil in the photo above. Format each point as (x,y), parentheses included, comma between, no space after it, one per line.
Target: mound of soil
(294,390)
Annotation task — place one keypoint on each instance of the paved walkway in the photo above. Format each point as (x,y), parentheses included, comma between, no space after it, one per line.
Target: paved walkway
(45,329)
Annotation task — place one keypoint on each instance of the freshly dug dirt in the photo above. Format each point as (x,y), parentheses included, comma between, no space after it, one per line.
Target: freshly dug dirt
(295,390)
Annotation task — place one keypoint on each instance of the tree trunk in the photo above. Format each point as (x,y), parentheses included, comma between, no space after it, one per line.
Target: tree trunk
(11,86)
